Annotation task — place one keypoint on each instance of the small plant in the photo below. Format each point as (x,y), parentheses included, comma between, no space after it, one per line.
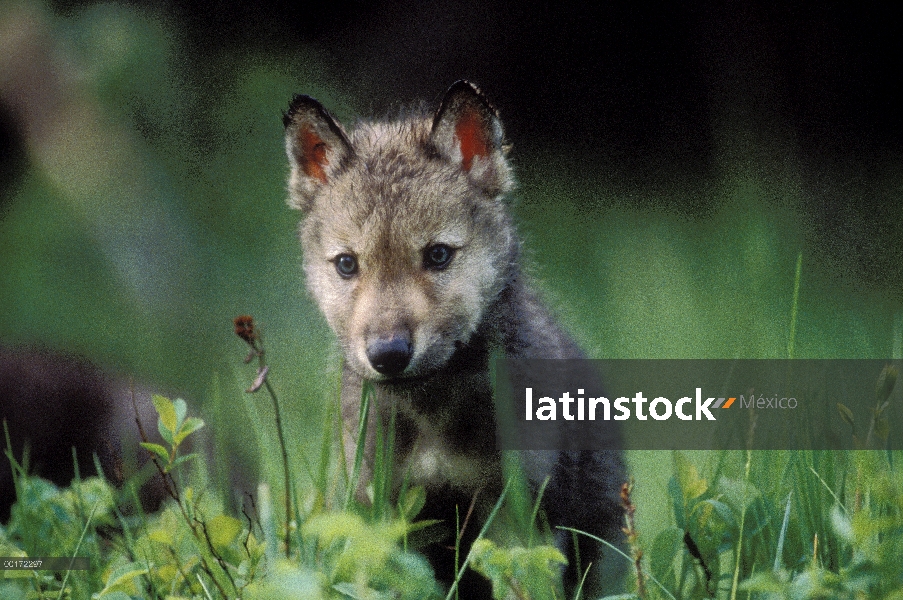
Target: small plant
(191,546)
(174,426)
(246,330)
(528,573)
(630,531)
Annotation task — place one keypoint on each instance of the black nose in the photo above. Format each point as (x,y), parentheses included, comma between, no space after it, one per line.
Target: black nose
(390,355)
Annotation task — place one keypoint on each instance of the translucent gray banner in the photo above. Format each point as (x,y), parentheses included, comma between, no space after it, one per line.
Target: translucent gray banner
(699,404)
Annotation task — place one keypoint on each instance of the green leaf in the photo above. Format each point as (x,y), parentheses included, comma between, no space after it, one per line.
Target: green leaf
(182,459)
(157,449)
(768,582)
(517,569)
(412,502)
(691,484)
(115,595)
(665,547)
(167,412)
(286,580)
(364,549)
(538,569)
(181,410)
(189,426)
(355,591)
(678,506)
(8,549)
(223,530)
(737,493)
(331,526)
(16,574)
(121,579)
(847,415)
(493,563)
(418,525)
(724,512)
(841,524)
(407,576)
(886,381)
(165,433)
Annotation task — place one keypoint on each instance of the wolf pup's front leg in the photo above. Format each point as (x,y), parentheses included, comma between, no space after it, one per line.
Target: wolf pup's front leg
(412,256)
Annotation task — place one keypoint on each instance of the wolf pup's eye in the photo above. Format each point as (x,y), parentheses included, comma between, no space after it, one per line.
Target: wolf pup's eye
(437,256)
(345,265)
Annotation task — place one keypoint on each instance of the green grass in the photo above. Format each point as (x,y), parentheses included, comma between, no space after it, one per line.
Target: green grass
(762,524)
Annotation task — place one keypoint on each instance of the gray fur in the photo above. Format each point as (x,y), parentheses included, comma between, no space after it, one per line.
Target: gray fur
(384,193)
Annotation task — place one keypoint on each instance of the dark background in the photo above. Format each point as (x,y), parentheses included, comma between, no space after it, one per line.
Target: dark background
(623,81)
(643,96)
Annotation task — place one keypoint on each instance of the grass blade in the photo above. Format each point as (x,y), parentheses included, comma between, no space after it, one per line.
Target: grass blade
(780,550)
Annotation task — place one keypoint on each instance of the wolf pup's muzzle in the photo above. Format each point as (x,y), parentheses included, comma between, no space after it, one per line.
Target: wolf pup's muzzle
(390,355)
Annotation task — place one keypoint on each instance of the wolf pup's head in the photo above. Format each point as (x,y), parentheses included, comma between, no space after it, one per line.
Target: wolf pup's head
(406,239)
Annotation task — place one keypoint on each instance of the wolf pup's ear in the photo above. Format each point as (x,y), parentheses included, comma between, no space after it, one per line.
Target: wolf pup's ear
(467,132)
(317,148)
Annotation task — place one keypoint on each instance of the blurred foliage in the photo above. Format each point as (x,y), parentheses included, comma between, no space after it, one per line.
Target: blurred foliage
(163,217)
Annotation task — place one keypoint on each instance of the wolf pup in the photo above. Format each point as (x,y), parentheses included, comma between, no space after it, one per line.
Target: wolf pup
(411,254)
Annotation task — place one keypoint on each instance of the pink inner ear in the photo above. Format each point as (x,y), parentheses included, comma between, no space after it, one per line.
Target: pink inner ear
(313,152)
(472,136)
